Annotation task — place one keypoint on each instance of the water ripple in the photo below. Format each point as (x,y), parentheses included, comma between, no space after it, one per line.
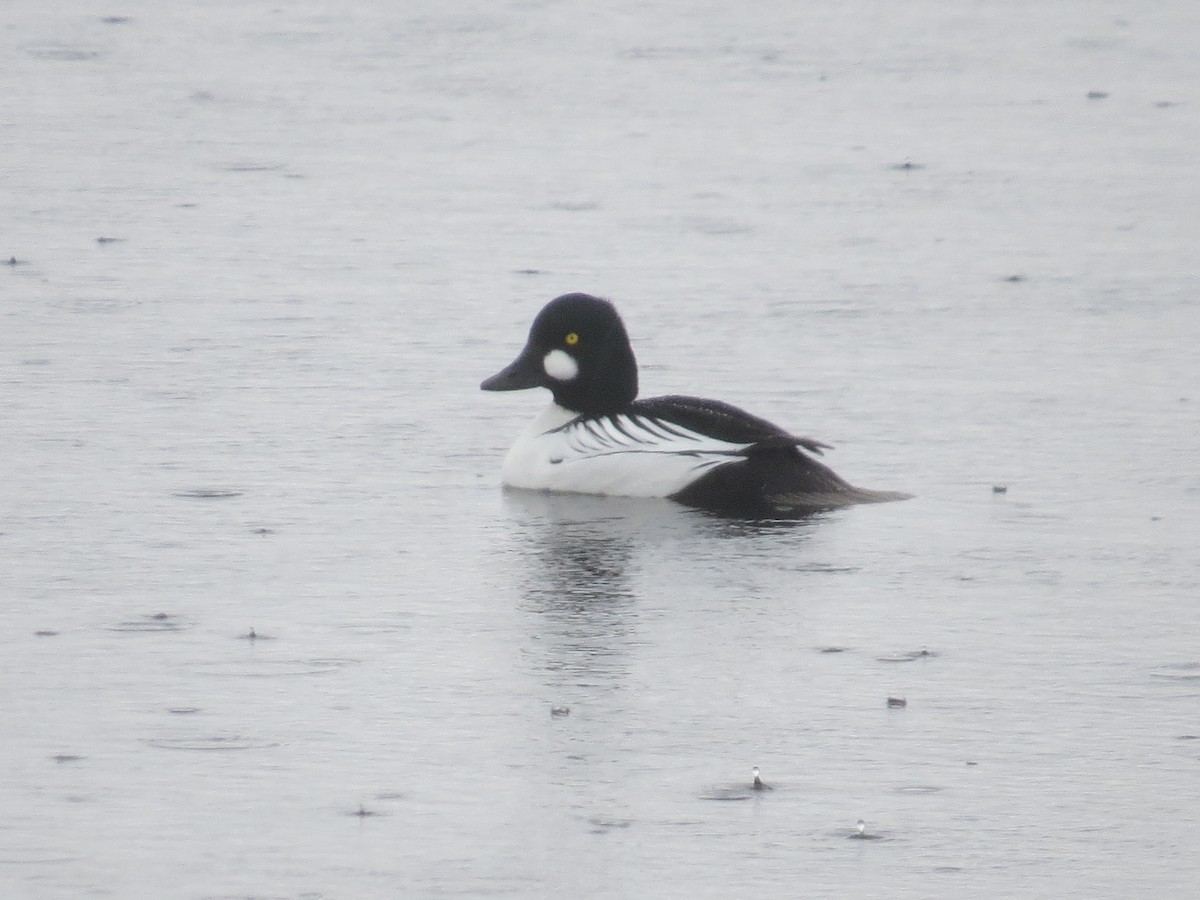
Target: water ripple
(157,622)
(907,656)
(272,668)
(211,742)
(1189,671)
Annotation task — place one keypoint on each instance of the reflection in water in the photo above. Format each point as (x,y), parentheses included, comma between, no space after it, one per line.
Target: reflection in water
(583,556)
(577,582)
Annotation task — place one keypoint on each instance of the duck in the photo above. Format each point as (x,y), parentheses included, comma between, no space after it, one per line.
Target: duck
(597,437)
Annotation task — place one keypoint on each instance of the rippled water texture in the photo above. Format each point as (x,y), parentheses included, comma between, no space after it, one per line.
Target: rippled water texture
(268,625)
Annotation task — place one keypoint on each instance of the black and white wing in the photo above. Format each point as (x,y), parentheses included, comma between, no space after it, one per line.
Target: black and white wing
(721,420)
(638,454)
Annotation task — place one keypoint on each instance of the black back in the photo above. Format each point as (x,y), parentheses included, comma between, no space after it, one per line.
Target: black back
(773,477)
(724,421)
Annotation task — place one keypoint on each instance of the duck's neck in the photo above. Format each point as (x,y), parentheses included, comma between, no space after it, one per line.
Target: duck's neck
(550,418)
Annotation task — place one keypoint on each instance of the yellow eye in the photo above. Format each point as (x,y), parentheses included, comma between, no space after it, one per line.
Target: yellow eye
(572,339)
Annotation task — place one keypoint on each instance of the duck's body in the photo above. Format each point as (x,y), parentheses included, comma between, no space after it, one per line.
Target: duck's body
(596,438)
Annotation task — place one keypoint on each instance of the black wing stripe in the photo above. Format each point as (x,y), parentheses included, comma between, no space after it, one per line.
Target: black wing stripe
(671,428)
(620,422)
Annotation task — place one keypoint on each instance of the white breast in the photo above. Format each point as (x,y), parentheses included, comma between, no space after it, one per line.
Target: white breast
(623,456)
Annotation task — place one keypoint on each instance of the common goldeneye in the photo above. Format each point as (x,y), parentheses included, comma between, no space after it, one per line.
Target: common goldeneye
(597,438)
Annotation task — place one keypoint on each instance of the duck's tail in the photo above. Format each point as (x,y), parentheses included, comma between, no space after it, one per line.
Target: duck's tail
(776,480)
(842,495)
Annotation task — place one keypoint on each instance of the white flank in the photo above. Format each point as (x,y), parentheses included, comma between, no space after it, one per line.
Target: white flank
(621,456)
(560,366)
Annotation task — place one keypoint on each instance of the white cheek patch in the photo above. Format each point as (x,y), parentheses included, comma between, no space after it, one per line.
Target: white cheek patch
(560,365)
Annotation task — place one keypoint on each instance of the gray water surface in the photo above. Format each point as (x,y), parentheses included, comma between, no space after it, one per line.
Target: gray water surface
(269,627)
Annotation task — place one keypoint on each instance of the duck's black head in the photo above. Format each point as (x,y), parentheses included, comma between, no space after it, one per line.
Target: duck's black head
(578,348)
